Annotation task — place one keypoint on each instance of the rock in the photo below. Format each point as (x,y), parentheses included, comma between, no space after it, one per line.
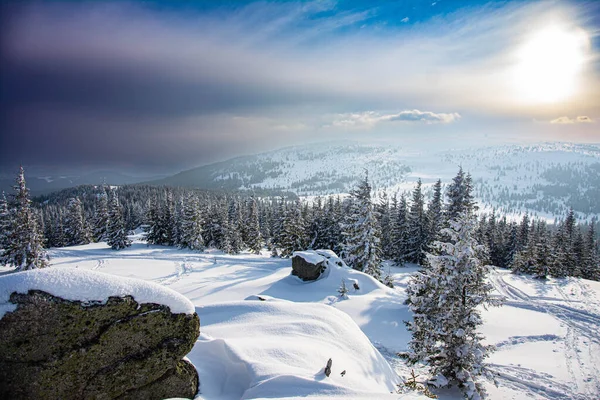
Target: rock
(328,368)
(308,265)
(51,348)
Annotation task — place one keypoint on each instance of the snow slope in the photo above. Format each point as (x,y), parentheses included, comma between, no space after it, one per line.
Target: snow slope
(544,179)
(548,333)
(275,348)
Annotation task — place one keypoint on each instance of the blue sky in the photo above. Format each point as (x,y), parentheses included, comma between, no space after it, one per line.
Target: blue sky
(169,85)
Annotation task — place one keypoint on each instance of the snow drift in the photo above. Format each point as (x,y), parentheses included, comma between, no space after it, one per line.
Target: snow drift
(275,348)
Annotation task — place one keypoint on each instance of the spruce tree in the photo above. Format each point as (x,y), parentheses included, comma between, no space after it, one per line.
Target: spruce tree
(362,243)
(382,213)
(417,227)
(254,239)
(435,218)
(152,220)
(191,224)
(400,233)
(446,300)
(292,237)
(117,235)
(5,227)
(591,267)
(101,217)
(23,246)
(236,231)
(76,230)
(168,220)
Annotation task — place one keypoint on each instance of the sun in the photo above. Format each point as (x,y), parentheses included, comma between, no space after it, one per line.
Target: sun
(549,65)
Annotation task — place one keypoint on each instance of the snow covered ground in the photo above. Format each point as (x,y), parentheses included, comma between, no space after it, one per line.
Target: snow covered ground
(548,333)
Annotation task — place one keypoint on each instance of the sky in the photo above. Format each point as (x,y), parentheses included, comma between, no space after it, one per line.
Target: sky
(161,86)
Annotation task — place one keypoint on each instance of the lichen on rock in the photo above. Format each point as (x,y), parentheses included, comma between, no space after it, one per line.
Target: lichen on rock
(53,348)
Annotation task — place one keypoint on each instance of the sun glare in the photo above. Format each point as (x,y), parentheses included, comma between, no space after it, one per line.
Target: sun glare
(549,65)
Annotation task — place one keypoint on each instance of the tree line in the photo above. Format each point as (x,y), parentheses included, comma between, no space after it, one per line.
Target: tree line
(362,228)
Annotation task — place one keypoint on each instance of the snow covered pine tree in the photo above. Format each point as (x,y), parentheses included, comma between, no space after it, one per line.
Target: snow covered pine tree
(361,231)
(444,299)
(23,241)
(117,236)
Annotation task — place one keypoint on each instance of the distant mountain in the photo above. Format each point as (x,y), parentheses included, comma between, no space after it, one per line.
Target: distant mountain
(304,170)
(544,179)
(45,184)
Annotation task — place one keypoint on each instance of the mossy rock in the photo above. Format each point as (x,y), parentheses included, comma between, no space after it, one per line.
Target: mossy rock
(51,348)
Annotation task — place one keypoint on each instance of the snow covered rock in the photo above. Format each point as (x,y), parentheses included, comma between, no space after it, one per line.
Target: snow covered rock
(67,333)
(310,264)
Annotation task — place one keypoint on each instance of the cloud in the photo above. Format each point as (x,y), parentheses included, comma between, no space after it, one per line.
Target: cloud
(581,119)
(123,74)
(369,119)
(427,117)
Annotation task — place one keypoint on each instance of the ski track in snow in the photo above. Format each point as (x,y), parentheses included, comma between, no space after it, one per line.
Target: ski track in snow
(182,269)
(582,327)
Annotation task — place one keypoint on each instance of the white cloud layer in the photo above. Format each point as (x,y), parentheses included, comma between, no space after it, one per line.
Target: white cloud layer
(369,119)
(581,119)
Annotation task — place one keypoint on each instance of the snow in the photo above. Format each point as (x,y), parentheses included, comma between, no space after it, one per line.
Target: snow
(88,286)
(547,334)
(274,348)
(309,256)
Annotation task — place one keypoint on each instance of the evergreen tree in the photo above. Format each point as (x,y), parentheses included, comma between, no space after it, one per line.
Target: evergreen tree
(168,219)
(292,237)
(191,224)
(523,237)
(591,265)
(254,239)
(362,244)
(23,241)
(101,217)
(117,235)
(235,231)
(277,221)
(382,212)
(76,231)
(435,218)
(417,227)
(511,245)
(154,229)
(459,194)
(332,216)
(400,233)
(445,299)
(5,226)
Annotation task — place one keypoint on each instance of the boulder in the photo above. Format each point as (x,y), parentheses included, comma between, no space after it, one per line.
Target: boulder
(308,265)
(56,348)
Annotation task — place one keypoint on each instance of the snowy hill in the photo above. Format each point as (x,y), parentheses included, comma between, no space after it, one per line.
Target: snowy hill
(544,179)
(47,183)
(547,334)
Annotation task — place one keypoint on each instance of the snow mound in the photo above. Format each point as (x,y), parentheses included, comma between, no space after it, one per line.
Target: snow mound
(291,287)
(88,286)
(274,349)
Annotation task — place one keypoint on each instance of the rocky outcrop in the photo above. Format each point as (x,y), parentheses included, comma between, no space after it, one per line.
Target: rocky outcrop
(308,265)
(52,348)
